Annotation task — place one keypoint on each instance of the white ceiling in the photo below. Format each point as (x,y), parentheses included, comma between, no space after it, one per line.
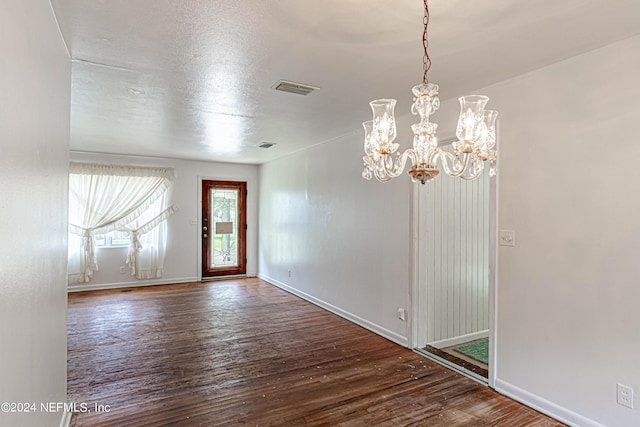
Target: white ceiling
(192,79)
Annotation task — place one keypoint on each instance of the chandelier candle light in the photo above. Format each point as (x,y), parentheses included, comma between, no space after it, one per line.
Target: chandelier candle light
(476,133)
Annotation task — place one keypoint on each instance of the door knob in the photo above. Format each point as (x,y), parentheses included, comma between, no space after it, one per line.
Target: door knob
(205,236)
(205,228)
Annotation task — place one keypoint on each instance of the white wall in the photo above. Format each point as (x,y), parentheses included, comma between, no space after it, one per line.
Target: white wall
(182,261)
(344,239)
(568,324)
(454,220)
(35,73)
(567,317)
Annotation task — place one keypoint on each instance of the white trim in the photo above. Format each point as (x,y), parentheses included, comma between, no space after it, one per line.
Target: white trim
(219,278)
(494,217)
(452,366)
(448,342)
(200,178)
(390,335)
(103,286)
(545,406)
(413,297)
(64,41)
(136,284)
(66,419)
(417,301)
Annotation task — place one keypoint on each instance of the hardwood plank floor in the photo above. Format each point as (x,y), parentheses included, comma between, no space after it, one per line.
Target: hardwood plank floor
(243,352)
(467,363)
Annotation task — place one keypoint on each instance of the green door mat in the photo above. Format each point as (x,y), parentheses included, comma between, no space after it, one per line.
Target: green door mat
(478,351)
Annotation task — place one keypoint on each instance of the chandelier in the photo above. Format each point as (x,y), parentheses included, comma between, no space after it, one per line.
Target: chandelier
(476,135)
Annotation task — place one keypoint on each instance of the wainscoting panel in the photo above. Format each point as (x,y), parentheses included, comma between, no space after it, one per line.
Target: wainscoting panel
(456,217)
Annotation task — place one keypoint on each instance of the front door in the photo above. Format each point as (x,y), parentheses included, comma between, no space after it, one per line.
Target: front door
(224,224)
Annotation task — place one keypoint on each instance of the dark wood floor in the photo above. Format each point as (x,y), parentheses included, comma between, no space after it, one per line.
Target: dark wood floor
(475,367)
(244,352)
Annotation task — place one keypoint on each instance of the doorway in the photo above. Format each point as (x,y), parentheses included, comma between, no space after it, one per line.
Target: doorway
(454,271)
(224,225)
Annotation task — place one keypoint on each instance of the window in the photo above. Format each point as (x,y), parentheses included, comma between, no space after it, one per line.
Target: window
(113,239)
(118,206)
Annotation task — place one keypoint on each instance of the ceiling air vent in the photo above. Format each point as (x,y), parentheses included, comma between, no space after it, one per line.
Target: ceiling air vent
(266,144)
(292,87)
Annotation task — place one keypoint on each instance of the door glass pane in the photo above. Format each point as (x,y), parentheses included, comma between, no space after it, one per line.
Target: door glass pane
(224,219)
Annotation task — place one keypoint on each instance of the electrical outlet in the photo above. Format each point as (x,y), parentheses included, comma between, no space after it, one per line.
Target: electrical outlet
(625,396)
(122,270)
(401,314)
(289,273)
(193,221)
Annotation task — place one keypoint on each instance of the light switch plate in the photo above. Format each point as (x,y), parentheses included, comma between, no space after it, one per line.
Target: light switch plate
(507,238)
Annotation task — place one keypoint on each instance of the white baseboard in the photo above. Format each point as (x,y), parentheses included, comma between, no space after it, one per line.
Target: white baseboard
(448,342)
(390,335)
(543,405)
(137,283)
(221,278)
(66,419)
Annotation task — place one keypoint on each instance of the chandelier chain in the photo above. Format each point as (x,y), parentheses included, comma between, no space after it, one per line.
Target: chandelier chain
(426,61)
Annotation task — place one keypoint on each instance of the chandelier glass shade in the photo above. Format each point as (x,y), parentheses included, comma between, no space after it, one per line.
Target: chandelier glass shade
(475,132)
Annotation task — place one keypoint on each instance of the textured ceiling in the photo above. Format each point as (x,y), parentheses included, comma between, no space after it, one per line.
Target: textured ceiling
(192,79)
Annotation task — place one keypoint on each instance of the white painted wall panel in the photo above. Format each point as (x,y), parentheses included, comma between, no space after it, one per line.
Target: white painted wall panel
(183,244)
(35,76)
(455,227)
(345,240)
(568,323)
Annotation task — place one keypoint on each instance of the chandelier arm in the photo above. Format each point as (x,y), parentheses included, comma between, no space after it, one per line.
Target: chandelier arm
(476,172)
(383,179)
(412,155)
(471,177)
(434,154)
(398,164)
(379,168)
(409,153)
(445,156)
(388,165)
(380,176)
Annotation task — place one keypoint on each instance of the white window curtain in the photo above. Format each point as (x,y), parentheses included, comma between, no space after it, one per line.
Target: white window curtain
(103,198)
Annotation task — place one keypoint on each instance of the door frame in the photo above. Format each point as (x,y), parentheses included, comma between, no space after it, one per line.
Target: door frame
(417,298)
(241,270)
